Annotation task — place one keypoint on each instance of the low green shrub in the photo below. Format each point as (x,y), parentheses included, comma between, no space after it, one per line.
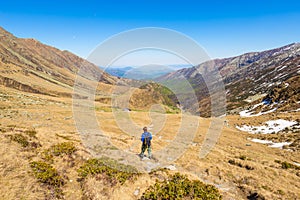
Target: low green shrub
(3,130)
(45,173)
(243,157)
(180,187)
(65,148)
(112,169)
(287,165)
(21,139)
(31,133)
(233,162)
(48,175)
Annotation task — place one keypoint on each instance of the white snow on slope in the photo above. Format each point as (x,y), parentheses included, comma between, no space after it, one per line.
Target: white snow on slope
(281,68)
(297,110)
(271,144)
(261,141)
(248,113)
(269,127)
(279,144)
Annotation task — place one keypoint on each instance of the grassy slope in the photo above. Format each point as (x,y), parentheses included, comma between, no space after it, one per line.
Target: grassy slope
(51,118)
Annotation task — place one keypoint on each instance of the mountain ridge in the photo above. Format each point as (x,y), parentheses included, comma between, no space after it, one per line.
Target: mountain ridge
(21,58)
(242,75)
(31,66)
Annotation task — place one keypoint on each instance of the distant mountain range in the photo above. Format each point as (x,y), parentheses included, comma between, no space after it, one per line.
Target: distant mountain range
(148,72)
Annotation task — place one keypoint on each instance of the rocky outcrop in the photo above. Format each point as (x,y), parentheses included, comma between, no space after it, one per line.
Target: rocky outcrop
(7,82)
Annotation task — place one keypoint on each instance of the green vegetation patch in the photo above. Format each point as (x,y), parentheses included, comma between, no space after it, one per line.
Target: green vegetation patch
(243,157)
(180,187)
(168,97)
(48,175)
(116,172)
(65,148)
(31,133)
(3,130)
(21,139)
(45,173)
(287,165)
(236,163)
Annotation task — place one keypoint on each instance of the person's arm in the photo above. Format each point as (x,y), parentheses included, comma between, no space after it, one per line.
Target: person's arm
(143,137)
(150,136)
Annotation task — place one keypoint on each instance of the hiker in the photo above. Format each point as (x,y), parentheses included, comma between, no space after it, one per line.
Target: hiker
(146,143)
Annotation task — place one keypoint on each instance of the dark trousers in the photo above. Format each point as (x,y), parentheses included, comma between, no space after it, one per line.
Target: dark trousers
(143,149)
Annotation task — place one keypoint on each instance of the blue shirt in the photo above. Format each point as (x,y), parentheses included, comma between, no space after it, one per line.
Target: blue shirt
(146,135)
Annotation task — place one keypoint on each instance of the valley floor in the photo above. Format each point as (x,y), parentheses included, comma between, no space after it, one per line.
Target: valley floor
(239,167)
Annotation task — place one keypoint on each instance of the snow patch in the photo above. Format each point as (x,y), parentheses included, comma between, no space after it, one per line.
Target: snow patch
(269,127)
(281,68)
(261,141)
(286,85)
(279,144)
(248,113)
(298,164)
(271,144)
(297,110)
(171,167)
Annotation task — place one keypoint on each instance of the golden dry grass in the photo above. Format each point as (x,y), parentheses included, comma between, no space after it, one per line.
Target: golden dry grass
(52,118)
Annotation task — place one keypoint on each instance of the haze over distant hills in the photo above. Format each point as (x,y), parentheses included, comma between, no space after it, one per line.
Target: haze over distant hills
(148,72)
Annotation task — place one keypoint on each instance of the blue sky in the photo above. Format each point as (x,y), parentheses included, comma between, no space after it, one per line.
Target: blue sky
(223,28)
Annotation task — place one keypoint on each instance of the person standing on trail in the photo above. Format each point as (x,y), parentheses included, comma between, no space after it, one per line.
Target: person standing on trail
(146,143)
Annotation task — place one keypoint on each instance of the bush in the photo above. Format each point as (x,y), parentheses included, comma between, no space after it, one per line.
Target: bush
(112,169)
(45,173)
(48,175)
(21,139)
(65,148)
(3,130)
(31,133)
(180,187)
(243,157)
(233,162)
(287,165)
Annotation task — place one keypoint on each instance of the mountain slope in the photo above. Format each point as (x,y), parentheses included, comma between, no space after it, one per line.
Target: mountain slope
(284,97)
(29,65)
(244,76)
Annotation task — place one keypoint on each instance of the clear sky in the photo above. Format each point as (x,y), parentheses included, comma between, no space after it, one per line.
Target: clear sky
(223,28)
